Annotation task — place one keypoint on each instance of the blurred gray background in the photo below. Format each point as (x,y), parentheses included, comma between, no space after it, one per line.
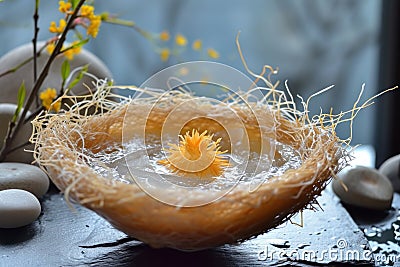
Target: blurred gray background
(314,43)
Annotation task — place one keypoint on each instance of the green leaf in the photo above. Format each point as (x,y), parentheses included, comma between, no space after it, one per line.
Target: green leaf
(80,43)
(79,76)
(65,70)
(74,3)
(20,102)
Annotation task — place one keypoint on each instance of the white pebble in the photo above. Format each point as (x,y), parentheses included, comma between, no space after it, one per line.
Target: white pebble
(18,208)
(367,188)
(6,113)
(23,176)
(391,168)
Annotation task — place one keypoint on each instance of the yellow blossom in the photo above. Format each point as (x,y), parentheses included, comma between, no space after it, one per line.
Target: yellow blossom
(87,11)
(212,53)
(50,48)
(56,106)
(197,44)
(164,36)
(93,29)
(54,29)
(164,54)
(180,40)
(69,53)
(64,7)
(47,97)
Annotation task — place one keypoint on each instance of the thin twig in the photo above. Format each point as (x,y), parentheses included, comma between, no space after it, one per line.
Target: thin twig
(129,24)
(34,43)
(34,40)
(11,134)
(10,128)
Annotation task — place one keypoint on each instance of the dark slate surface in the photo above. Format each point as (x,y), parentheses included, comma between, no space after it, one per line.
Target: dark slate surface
(382,230)
(62,237)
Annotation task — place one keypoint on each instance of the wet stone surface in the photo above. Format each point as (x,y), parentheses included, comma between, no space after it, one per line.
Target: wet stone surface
(382,229)
(63,237)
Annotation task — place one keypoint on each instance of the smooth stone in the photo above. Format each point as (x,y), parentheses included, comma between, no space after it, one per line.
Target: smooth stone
(367,188)
(6,113)
(391,169)
(10,83)
(23,176)
(18,208)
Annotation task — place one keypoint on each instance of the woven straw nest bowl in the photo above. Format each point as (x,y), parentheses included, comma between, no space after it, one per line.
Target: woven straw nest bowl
(66,142)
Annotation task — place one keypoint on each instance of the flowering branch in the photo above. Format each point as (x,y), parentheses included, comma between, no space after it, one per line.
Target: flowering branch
(14,127)
(77,15)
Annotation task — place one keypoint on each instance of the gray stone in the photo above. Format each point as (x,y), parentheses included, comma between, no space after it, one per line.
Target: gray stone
(18,208)
(23,176)
(366,187)
(391,169)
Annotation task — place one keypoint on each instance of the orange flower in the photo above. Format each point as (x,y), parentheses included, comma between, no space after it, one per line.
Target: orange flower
(164,36)
(93,29)
(50,48)
(47,97)
(164,54)
(69,53)
(212,53)
(87,11)
(197,154)
(180,40)
(54,29)
(197,45)
(64,7)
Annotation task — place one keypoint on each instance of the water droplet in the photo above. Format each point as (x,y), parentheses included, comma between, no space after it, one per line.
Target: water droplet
(317,233)
(377,229)
(369,233)
(376,249)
